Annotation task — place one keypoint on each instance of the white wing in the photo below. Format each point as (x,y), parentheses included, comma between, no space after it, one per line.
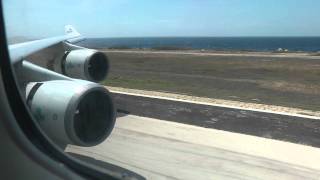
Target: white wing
(19,51)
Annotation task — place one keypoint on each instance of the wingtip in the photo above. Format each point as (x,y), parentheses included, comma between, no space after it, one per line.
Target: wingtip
(69,29)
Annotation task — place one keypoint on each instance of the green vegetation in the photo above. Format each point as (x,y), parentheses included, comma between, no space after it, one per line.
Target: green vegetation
(284,81)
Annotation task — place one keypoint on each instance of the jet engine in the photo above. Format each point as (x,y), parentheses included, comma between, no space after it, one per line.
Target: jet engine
(72,112)
(85,64)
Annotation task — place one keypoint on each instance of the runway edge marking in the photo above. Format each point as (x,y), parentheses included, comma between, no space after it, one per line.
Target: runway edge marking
(219,105)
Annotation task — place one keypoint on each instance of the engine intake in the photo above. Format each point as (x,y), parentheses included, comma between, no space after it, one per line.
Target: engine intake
(72,112)
(85,64)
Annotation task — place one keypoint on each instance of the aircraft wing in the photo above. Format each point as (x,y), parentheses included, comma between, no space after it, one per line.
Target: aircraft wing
(64,97)
(19,51)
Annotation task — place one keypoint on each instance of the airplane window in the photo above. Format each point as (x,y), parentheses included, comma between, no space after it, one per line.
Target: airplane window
(174,89)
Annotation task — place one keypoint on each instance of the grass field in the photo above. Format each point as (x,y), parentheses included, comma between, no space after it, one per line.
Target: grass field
(284,81)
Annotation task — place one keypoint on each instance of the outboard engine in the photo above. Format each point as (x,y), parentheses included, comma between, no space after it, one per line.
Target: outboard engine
(85,64)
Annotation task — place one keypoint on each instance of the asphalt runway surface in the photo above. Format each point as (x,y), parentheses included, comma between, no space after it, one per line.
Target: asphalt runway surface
(268,125)
(158,149)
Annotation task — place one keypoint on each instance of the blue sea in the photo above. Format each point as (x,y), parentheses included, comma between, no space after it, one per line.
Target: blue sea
(306,44)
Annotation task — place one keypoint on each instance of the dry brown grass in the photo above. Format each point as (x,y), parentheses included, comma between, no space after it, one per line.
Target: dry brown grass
(283,81)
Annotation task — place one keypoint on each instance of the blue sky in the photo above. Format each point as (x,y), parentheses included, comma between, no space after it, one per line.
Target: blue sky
(138,18)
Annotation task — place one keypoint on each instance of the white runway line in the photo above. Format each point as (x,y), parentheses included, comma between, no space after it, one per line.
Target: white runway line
(218,105)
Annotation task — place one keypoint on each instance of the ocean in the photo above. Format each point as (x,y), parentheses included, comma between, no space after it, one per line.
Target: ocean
(305,44)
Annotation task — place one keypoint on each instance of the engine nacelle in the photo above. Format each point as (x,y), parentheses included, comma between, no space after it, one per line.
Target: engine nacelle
(85,64)
(72,112)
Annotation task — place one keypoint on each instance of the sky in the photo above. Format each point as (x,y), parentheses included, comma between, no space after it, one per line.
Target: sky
(157,18)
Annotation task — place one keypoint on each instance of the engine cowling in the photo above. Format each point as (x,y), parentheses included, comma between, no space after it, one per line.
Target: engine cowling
(72,112)
(85,64)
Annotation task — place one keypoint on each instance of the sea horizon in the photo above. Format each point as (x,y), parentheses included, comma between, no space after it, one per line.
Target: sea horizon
(264,44)
(111,37)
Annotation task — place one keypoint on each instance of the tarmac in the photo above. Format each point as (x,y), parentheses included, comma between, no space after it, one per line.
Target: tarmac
(272,125)
(161,138)
(159,149)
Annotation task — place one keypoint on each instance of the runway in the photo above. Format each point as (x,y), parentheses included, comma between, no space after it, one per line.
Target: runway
(293,128)
(163,138)
(159,149)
